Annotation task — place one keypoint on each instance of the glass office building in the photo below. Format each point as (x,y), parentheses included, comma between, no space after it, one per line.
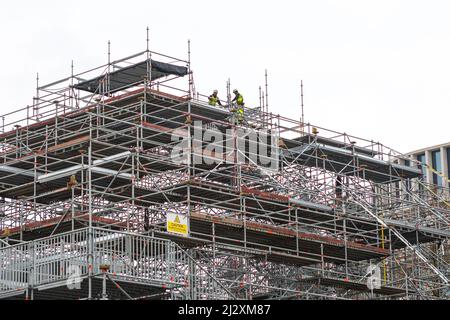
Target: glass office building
(435,164)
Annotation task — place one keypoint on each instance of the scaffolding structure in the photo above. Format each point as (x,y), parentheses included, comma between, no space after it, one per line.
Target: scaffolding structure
(88,178)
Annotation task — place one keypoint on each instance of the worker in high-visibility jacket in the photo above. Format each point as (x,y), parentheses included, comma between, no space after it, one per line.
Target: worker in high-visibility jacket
(214,99)
(239,106)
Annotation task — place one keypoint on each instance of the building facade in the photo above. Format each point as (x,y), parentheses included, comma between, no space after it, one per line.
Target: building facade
(436,160)
(435,164)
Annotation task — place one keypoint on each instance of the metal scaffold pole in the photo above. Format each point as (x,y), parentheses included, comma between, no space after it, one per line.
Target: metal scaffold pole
(94,179)
(90,208)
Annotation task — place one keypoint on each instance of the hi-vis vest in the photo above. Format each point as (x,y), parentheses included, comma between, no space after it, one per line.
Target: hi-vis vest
(213,100)
(239,113)
(240,100)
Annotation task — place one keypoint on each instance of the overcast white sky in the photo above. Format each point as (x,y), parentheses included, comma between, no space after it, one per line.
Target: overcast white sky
(375,69)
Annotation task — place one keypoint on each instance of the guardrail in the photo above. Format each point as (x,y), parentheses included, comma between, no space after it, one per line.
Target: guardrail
(130,257)
(14,263)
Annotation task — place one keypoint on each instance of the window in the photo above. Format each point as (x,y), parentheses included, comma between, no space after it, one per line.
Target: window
(448,164)
(407,185)
(421,158)
(437,166)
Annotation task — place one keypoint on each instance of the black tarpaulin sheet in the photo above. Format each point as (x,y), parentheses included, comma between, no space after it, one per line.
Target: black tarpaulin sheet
(130,76)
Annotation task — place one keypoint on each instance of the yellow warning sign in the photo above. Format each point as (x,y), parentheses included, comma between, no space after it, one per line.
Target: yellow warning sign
(177,224)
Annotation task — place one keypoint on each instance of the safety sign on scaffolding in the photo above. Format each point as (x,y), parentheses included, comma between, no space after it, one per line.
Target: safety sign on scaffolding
(178,224)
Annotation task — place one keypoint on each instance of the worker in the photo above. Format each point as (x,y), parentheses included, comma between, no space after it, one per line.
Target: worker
(239,107)
(238,98)
(214,99)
